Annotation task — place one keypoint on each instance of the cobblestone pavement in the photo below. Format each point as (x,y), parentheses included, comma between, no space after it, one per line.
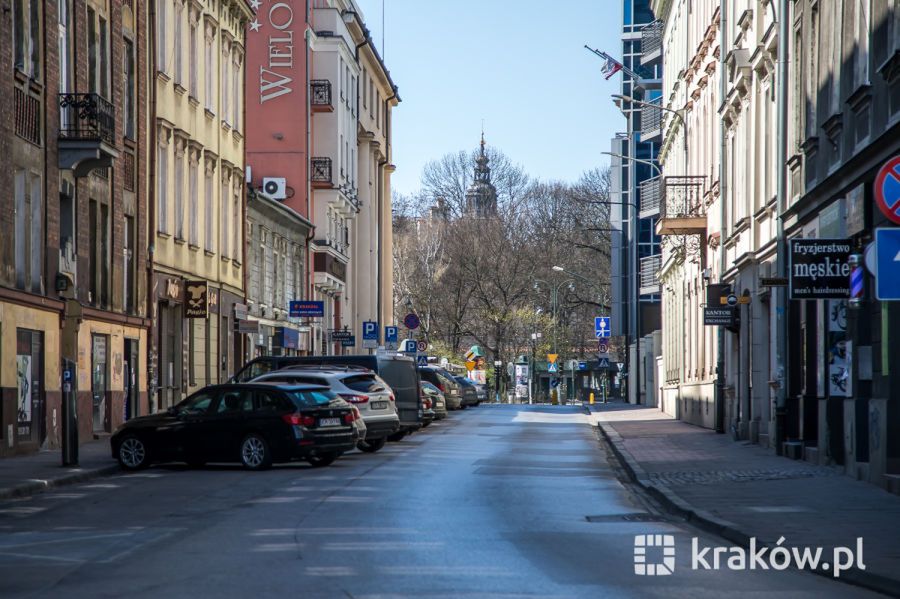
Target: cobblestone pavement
(743,490)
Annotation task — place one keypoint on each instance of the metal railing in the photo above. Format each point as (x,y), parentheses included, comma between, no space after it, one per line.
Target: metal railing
(651,120)
(650,197)
(651,41)
(320,92)
(28,116)
(649,267)
(683,196)
(320,170)
(88,117)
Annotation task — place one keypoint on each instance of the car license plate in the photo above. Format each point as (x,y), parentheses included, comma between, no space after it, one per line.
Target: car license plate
(329,421)
(378,405)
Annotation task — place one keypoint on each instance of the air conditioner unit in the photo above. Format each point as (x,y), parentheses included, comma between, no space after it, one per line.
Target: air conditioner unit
(275,187)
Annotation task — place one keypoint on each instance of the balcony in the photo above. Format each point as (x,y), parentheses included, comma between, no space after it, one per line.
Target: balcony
(650,196)
(320,95)
(649,267)
(320,173)
(651,42)
(87,133)
(651,121)
(682,206)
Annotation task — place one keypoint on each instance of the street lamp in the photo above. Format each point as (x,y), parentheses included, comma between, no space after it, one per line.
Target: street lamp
(629,99)
(554,303)
(647,162)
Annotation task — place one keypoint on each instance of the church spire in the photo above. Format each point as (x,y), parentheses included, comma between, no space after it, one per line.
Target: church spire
(481,197)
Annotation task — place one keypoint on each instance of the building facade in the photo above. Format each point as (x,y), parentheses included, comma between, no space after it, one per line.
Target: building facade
(198,211)
(827,394)
(73,321)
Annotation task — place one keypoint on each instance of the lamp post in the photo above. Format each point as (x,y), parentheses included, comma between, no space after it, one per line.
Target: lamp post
(533,374)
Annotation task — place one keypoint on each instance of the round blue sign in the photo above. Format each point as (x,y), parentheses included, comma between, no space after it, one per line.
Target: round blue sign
(411,321)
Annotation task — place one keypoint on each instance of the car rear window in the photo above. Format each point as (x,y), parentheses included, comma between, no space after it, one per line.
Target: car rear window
(365,383)
(296,380)
(400,375)
(310,399)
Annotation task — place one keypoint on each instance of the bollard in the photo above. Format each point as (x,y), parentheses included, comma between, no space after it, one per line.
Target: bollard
(592,398)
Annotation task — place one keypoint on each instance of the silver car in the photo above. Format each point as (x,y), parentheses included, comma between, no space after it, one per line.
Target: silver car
(360,387)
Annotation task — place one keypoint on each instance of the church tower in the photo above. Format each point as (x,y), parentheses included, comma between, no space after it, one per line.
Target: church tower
(481,197)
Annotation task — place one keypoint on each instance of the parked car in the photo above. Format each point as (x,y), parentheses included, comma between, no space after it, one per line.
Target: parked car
(256,424)
(445,382)
(427,411)
(482,392)
(469,391)
(397,370)
(357,385)
(439,404)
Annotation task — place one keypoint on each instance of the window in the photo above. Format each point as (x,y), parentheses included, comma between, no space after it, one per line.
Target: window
(863,14)
(27,37)
(208,207)
(129,99)
(224,83)
(236,92)
(162,180)
(237,220)
(128,281)
(224,214)
(196,404)
(179,188)
(209,67)
(65,62)
(177,41)
(269,402)
(194,58)
(98,53)
(837,27)
(276,280)
(812,74)
(365,102)
(233,402)
(161,41)
(193,232)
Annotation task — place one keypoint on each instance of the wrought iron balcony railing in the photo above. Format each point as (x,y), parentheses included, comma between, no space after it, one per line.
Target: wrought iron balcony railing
(649,267)
(320,92)
(650,197)
(320,170)
(683,197)
(87,117)
(651,42)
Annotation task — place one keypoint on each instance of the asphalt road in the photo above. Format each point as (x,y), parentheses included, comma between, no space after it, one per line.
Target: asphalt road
(497,501)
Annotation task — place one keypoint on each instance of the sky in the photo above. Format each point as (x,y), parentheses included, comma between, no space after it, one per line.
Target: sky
(520,65)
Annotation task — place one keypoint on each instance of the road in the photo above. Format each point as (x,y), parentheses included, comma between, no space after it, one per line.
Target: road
(498,501)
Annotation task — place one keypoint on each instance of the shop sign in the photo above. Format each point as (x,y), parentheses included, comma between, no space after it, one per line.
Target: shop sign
(172,289)
(819,268)
(286,337)
(213,300)
(306,309)
(340,335)
(718,316)
(348,341)
(241,311)
(856,210)
(196,299)
(246,326)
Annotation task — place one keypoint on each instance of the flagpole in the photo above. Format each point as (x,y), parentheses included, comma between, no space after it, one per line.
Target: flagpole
(623,68)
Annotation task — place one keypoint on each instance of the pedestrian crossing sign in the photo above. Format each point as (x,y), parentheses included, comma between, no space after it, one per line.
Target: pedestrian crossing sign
(552,367)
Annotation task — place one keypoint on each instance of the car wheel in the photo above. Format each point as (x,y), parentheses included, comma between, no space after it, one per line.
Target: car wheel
(371,446)
(133,453)
(255,454)
(397,436)
(322,459)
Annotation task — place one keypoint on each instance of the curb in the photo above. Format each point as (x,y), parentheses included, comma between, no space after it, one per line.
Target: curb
(722,528)
(35,486)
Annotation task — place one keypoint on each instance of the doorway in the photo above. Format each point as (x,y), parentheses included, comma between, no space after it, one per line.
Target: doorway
(132,397)
(99,382)
(30,421)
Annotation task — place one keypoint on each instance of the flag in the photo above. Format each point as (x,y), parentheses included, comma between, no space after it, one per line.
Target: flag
(611,67)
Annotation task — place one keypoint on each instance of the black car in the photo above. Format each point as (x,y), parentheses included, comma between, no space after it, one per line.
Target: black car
(444,381)
(256,424)
(469,391)
(397,370)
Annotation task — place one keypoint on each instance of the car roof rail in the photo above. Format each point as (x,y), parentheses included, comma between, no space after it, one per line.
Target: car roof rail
(324,366)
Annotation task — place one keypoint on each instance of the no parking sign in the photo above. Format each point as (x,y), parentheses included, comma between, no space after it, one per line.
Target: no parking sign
(887,189)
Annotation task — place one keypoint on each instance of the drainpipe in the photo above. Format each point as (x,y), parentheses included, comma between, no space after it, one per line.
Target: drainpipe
(723,188)
(152,350)
(781,354)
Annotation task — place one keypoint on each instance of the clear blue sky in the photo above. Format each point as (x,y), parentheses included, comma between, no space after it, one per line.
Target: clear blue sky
(518,64)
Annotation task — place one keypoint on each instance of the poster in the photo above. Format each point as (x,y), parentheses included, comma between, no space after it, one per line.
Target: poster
(23,396)
(837,351)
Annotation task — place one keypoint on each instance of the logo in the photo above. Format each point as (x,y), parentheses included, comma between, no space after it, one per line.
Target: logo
(663,547)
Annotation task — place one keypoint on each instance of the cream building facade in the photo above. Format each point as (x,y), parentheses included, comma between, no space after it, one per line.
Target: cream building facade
(718,190)
(197,208)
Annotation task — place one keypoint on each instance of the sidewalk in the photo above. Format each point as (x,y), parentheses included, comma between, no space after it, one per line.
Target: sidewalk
(27,475)
(740,490)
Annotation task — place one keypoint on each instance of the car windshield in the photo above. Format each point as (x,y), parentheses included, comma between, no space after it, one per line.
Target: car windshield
(311,399)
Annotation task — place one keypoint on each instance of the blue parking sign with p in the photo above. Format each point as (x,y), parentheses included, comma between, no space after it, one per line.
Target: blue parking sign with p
(391,334)
(370,330)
